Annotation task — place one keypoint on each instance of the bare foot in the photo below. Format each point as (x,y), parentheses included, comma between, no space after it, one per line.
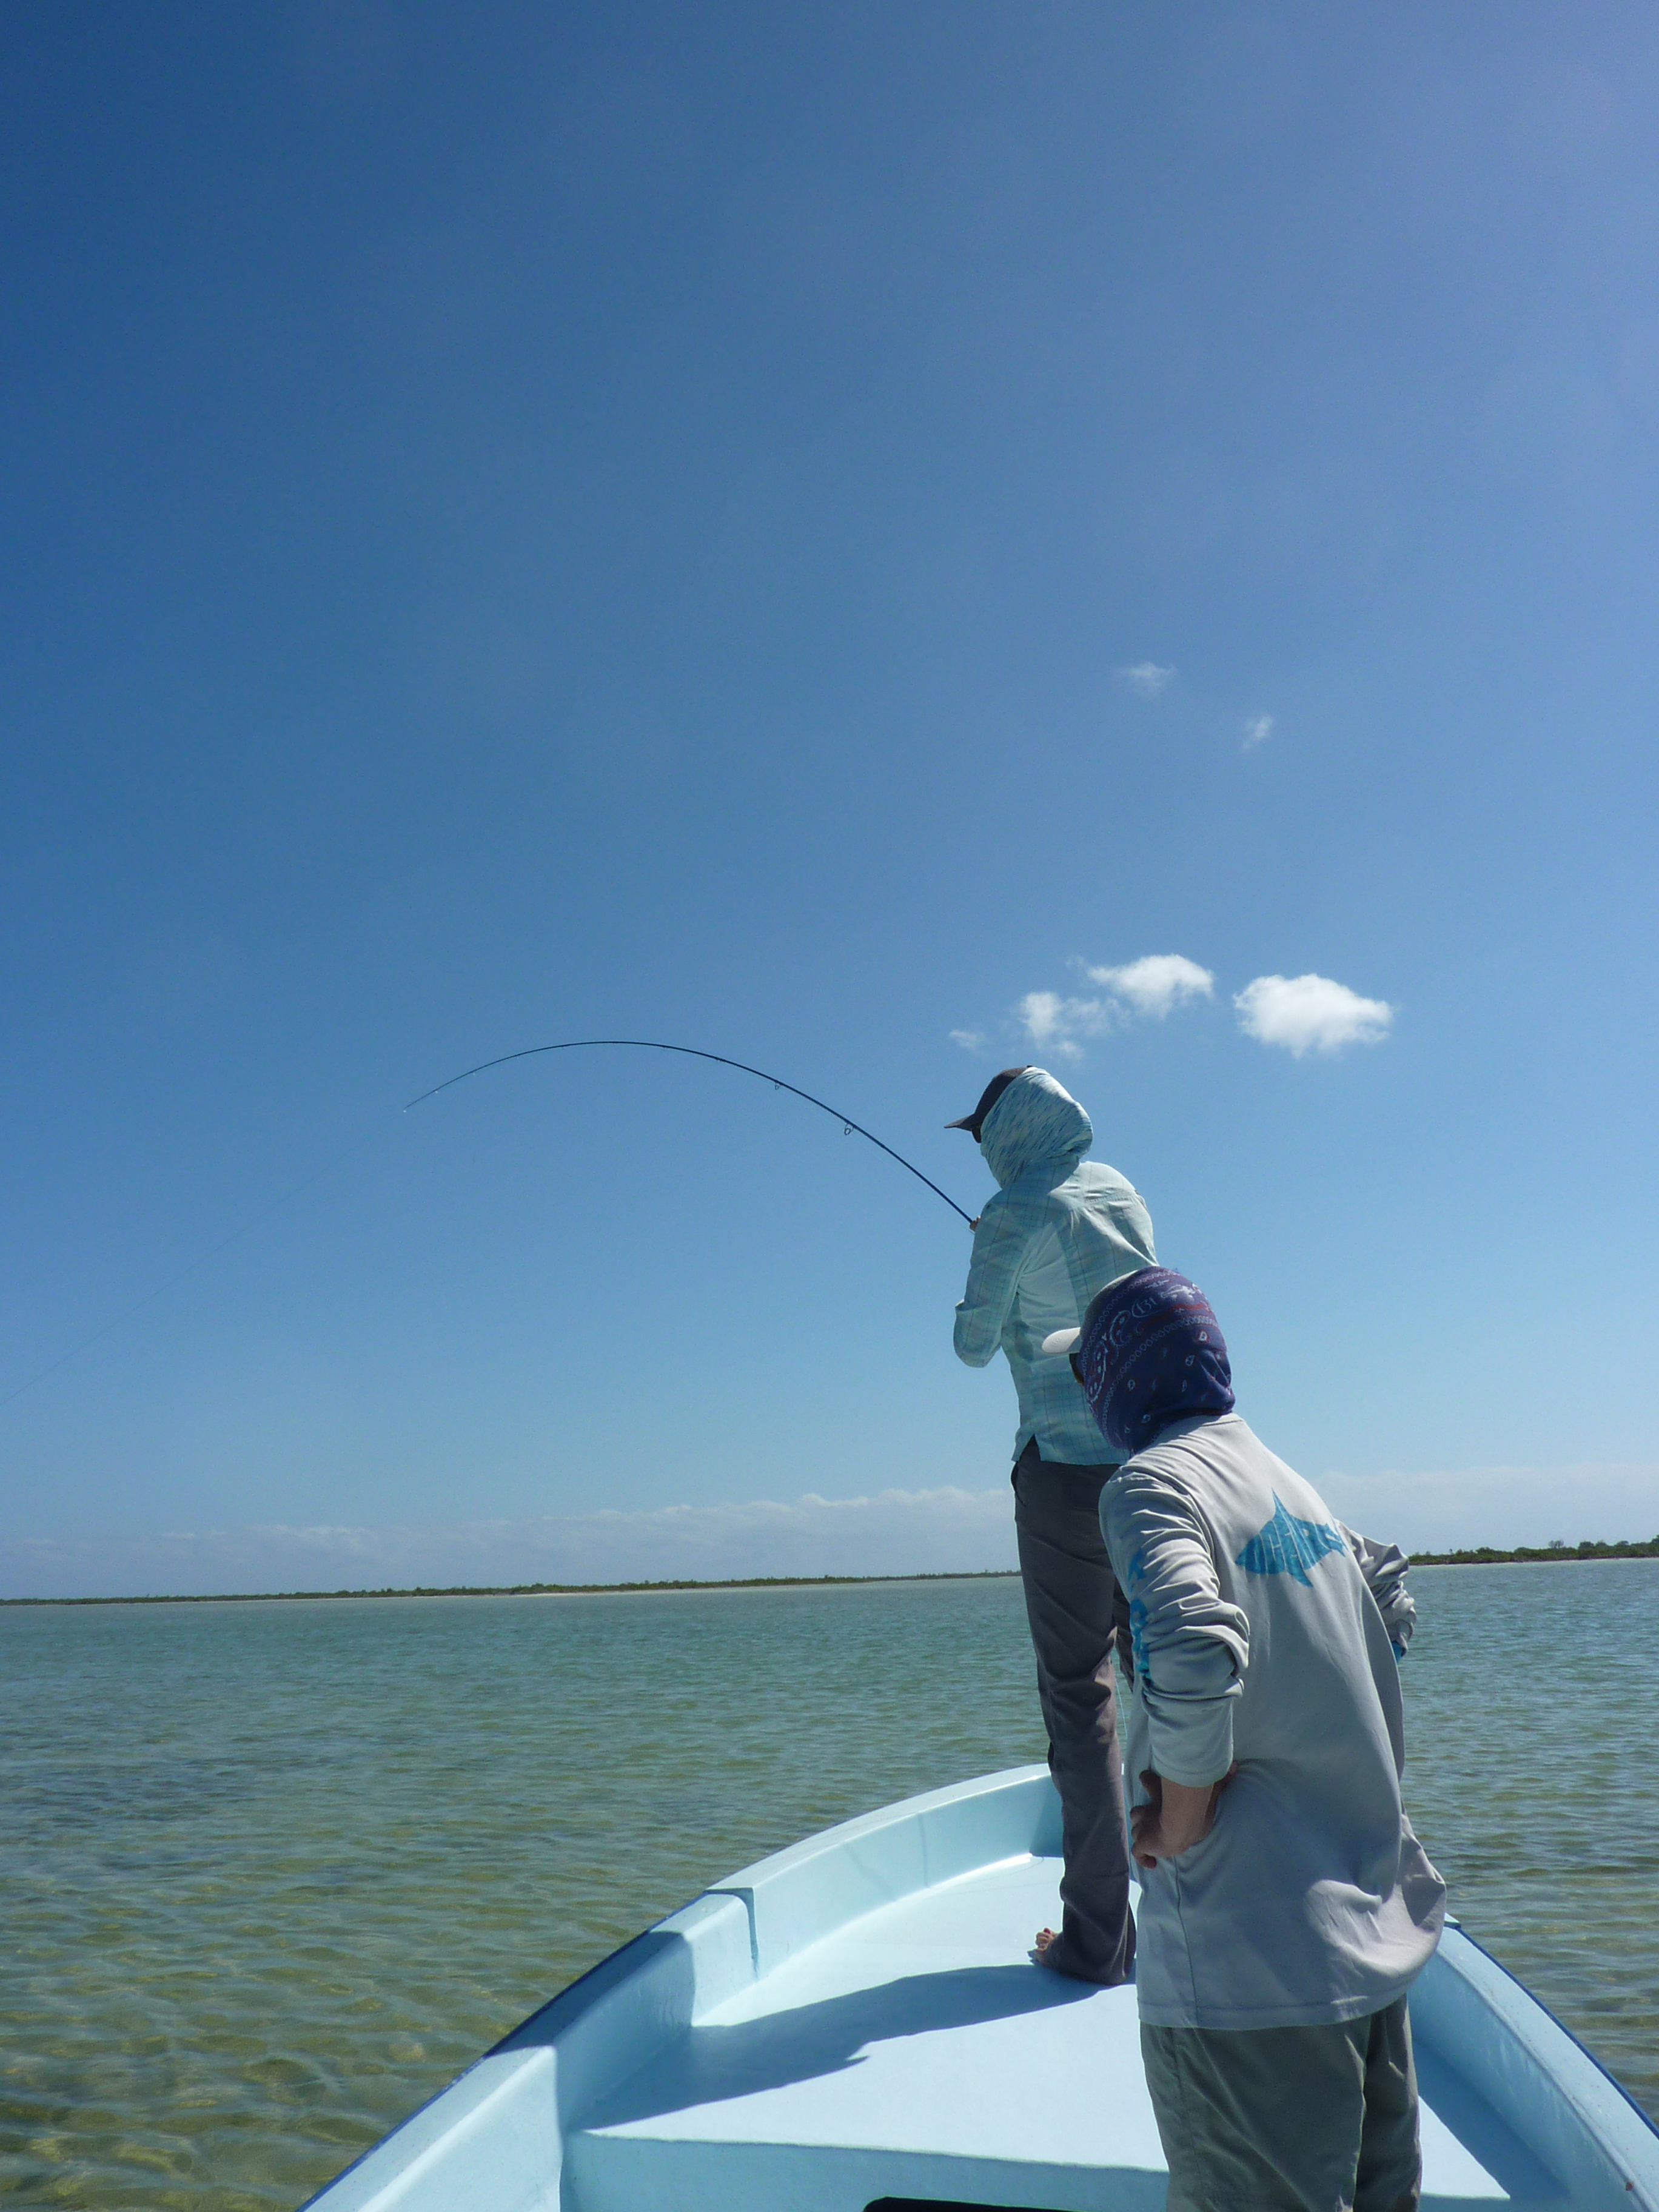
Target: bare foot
(1045,1942)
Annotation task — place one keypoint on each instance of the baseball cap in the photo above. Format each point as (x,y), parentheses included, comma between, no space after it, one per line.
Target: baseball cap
(975,1123)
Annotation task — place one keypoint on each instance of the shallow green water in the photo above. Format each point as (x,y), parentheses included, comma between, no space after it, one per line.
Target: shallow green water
(270,1874)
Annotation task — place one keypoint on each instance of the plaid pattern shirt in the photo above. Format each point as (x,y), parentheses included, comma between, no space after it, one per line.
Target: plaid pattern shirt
(1059,1230)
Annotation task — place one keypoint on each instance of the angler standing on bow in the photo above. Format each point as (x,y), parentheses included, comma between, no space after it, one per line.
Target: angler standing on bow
(1058,1232)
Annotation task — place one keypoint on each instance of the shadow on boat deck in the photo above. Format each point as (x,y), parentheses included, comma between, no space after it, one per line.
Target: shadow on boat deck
(713,2064)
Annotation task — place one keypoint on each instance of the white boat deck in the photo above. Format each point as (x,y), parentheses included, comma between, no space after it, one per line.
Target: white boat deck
(857,2020)
(922,2050)
(919,2048)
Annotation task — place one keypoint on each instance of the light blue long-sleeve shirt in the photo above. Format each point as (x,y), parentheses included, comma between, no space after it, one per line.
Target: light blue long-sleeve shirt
(1061,1229)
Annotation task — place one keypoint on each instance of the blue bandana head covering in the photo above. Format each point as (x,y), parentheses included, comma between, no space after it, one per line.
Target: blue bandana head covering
(1150,1353)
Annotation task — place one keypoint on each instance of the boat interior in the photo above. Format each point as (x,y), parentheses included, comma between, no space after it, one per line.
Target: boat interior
(855,2025)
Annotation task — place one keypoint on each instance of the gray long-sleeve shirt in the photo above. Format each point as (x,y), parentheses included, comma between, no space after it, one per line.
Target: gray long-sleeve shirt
(1262,1635)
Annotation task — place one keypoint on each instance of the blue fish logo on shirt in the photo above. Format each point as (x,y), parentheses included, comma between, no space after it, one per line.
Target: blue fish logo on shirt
(1286,1546)
(1137,1644)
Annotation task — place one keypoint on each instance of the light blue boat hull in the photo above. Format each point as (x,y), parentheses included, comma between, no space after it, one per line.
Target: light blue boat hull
(856,2019)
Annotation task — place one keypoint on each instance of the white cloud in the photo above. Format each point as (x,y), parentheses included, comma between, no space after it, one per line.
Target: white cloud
(891,1532)
(1304,1012)
(1503,1506)
(1154,984)
(969,1040)
(1146,677)
(1259,727)
(1149,986)
(1056,1024)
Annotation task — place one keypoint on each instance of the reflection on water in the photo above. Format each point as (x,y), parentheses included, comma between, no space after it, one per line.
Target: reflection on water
(270,1874)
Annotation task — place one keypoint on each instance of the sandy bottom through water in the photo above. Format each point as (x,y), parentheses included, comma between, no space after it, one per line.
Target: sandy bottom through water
(270,1874)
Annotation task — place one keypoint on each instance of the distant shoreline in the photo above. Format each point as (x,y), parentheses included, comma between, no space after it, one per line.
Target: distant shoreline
(1484,1555)
(1538,1554)
(536,1589)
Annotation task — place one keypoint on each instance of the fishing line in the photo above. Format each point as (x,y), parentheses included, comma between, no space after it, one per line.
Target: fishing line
(848,1126)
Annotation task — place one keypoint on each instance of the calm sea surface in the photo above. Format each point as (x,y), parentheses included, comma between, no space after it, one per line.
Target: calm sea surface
(269,1875)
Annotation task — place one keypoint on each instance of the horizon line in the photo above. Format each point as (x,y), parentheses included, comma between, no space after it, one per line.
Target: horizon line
(1481,1555)
(532,1589)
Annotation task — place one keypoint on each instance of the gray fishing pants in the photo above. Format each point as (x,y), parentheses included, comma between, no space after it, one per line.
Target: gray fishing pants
(1288,2119)
(1070,1595)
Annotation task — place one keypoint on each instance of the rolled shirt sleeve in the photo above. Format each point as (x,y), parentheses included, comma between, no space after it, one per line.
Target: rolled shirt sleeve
(1191,1647)
(1383,1566)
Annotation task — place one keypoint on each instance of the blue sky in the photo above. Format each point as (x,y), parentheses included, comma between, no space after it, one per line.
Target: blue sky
(792,530)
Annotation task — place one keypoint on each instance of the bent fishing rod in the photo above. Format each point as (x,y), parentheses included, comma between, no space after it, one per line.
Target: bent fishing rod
(848,1126)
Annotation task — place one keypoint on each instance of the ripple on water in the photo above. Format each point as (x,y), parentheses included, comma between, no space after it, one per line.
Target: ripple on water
(273,1873)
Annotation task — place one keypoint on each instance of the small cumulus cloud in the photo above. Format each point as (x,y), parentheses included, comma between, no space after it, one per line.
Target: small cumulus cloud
(1307,1013)
(1146,679)
(1155,984)
(969,1040)
(1056,1024)
(1257,731)
(1149,987)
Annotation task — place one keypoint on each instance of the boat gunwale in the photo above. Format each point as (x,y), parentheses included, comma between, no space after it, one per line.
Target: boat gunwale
(1573,2036)
(1513,2008)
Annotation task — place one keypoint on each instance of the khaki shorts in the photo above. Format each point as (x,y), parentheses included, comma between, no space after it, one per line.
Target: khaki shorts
(1288,2119)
